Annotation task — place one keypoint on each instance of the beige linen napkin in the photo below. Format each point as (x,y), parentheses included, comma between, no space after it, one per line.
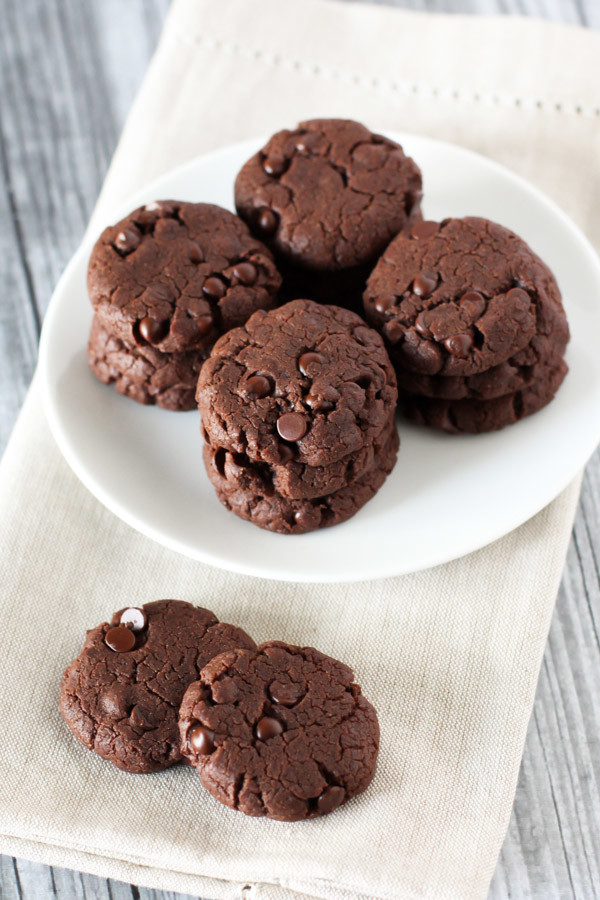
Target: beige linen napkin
(450,656)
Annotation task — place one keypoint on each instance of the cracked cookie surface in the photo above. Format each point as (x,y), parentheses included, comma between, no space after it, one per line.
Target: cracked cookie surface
(144,373)
(458,297)
(121,695)
(177,275)
(305,382)
(248,489)
(280,731)
(329,194)
(478,416)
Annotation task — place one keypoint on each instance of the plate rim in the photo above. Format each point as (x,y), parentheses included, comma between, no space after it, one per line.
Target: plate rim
(211,558)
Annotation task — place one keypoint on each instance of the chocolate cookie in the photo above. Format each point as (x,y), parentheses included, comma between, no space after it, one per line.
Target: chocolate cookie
(458,297)
(177,275)
(279,731)
(527,366)
(121,696)
(304,381)
(477,416)
(247,489)
(327,197)
(144,373)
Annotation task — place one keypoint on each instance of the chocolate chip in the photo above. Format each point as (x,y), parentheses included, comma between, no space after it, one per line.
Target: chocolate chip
(421,325)
(393,331)
(425,229)
(473,304)
(459,344)
(120,639)
(382,304)
(275,165)
(285,693)
(203,324)
(311,360)
(286,454)
(195,253)
(201,740)
(330,799)
(214,288)
(268,727)
(258,386)
(135,618)
(127,240)
(267,221)
(153,331)
(425,283)
(245,272)
(291,426)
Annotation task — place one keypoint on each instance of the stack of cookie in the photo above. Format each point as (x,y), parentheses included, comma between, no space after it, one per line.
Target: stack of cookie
(327,197)
(297,412)
(165,283)
(166,683)
(474,323)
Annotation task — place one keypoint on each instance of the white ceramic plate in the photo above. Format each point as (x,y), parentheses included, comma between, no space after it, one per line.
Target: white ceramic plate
(447,495)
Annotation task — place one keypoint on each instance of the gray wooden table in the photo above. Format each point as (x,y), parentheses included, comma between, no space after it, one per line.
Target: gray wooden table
(69,71)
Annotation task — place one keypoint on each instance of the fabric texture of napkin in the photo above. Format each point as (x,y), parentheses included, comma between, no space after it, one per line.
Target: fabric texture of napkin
(450,656)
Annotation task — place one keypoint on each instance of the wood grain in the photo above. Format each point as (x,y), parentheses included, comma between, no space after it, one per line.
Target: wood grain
(69,73)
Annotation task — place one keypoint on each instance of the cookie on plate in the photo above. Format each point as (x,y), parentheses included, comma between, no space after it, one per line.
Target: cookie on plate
(121,695)
(458,297)
(248,489)
(477,416)
(327,197)
(144,373)
(279,731)
(305,382)
(177,275)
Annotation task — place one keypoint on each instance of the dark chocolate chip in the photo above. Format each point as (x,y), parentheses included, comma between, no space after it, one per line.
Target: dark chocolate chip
(286,454)
(135,618)
(285,693)
(120,639)
(267,221)
(195,253)
(153,331)
(275,165)
(128,240)
(258,386)
(473,304)
(245,272)
(459,344)
(330,799)
(214,288)
(203,324)
(268,727)
(425,283)
(310,360)
(425,230)
(421,326)
(201,739)
(393,331)
(382,304)
(292,426)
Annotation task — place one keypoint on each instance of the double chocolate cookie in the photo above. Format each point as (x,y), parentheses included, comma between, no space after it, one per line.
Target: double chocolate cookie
(327,197)
(470,314)
(166,282)
(121,696)
(297,410)
(279,731)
